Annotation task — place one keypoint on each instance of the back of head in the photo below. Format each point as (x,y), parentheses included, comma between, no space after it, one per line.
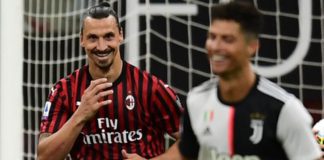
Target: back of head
(242,12)
(102,10)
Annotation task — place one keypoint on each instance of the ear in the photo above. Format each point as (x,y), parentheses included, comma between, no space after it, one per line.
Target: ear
(253,47)
(81,40)
(121,38)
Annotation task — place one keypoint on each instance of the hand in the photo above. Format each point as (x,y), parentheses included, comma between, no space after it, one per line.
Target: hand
(131,156)
(91,99)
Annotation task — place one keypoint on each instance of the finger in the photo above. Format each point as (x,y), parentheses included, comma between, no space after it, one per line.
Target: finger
(103,103)
(124,153)
(104,93)
(95,82)
(99,88)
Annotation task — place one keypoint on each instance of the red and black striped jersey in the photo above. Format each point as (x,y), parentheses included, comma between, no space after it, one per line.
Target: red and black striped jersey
(143,109)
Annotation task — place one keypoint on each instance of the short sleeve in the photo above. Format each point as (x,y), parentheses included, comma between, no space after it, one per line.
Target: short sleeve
(167,108)
(294,131)
(54,111)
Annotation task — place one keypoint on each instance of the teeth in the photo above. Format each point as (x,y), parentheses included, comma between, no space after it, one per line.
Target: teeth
(103,54)
(217,57)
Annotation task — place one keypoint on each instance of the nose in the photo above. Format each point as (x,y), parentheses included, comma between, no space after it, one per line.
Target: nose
(102,44)
(213,45)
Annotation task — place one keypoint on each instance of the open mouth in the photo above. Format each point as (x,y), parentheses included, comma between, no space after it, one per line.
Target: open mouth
(217,57)
(103,54)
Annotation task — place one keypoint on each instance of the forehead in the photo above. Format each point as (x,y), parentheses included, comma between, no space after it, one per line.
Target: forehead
(225,27)
(92,24)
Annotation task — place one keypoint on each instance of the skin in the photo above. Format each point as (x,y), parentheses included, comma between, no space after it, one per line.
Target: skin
(229,50)
(101,40)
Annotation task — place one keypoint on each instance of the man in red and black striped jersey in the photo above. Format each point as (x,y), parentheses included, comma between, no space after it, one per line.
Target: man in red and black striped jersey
(243,115)
(108,109)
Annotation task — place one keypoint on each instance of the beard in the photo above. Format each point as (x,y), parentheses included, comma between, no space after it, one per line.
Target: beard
(107,62)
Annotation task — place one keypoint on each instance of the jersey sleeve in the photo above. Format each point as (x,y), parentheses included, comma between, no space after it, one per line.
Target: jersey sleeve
(167,108)
(54,111)
(294,131)
(188,145)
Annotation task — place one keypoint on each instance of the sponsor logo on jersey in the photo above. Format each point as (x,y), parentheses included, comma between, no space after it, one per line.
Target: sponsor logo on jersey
(130,102)
(109,134)
(207,153)
(207,132)
(47,108)
(208,119)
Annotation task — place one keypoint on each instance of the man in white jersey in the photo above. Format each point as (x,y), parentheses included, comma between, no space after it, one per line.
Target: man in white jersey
(240,115)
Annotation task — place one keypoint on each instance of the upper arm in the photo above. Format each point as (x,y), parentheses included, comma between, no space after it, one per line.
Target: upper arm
(294,131)
(55,111)
(166,108)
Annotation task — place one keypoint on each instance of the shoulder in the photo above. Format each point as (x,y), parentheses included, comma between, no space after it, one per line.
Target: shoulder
(273,90)
(201,92)
(71,78)
(204,88)
(146,76)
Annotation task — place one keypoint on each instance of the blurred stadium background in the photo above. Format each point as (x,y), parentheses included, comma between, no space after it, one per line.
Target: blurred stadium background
(164,37)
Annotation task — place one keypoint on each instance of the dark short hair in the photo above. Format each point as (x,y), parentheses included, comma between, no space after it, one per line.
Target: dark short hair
(102,10)
(242,12)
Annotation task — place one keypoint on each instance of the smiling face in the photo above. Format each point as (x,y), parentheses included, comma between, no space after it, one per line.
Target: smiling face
(101,39)
(229,49)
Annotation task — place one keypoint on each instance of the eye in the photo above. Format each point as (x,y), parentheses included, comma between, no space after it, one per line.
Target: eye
(92,37)
(109,36)
(211,36)
(228,39)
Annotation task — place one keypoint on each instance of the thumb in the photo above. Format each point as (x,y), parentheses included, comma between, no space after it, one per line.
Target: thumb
(124,153)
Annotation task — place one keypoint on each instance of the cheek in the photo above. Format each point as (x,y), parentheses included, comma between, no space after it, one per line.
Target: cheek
(208,46)
(89,46)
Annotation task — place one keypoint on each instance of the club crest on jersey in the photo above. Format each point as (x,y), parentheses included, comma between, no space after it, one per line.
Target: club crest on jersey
(257,121)
(46,110)
(130,102)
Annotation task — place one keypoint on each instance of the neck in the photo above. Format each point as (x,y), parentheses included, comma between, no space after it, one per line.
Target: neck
(111,73)
(236,87)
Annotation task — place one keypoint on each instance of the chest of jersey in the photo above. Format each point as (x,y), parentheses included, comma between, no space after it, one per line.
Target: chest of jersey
(245,128)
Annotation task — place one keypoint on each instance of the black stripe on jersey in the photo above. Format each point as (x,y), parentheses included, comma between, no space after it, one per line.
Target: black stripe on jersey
(104,147)
(88,77)
(54,101)
(136,118)
(58,119)
(140,86)
(148,103)
(167,93)
(125,110)
(115,105)
(140,83)
(105,112)
(69,92)
(167,109)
